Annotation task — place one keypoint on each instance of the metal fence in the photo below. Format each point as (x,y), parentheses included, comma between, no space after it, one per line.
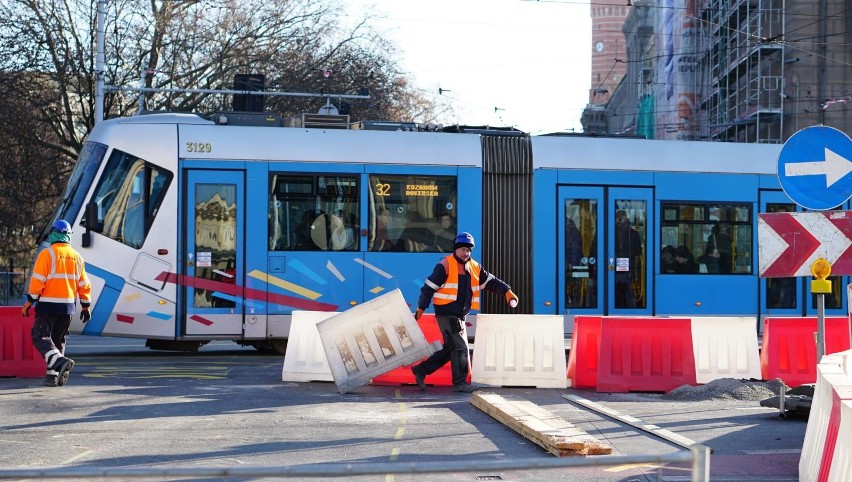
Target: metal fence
(12,288)
(698,456)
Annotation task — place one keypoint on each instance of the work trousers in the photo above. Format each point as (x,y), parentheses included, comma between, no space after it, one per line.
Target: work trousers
(49,333)
(453,351)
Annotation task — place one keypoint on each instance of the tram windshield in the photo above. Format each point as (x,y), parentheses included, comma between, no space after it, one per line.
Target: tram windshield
(78,185)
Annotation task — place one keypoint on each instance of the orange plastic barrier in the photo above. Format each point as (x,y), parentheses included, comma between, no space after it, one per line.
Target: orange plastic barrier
(403,376)
(788,350)
(645,354)
(18,356)
(583,358)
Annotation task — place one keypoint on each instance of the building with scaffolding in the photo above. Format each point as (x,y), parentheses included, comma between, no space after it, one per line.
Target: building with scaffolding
(732,70)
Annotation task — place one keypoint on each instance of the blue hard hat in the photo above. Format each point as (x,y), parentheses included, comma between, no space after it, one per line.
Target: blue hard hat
(464,239)
(61,226)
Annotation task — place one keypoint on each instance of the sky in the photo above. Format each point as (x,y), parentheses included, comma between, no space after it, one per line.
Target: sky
(518,63)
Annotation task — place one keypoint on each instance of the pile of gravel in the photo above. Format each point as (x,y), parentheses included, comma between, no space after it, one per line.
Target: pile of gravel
(727,389)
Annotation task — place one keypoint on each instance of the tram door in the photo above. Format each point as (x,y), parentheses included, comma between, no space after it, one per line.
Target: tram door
(603,239)
(792,296)
(212,264)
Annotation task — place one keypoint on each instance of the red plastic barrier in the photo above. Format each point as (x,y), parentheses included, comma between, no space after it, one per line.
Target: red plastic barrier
(18,356)
(403,376)
(585,347)
(788,350)
(645,354)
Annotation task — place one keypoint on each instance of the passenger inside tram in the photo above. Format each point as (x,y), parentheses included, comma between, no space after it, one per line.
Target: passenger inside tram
(684,261)
(668,264)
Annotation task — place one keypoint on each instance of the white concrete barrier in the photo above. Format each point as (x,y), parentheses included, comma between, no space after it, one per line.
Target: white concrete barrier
(840,468)
(830,374)
(725,347)
(371,339)
(520,350)
(305,359)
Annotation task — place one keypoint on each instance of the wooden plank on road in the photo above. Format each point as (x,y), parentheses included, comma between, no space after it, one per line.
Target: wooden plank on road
(546,429)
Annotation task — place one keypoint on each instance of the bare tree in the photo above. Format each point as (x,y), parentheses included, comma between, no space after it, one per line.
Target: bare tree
(47,62)
(33,169)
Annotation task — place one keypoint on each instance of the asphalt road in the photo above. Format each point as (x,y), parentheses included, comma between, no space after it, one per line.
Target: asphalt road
(126,406)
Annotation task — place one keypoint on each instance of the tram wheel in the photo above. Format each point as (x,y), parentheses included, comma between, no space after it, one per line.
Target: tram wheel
(274,345)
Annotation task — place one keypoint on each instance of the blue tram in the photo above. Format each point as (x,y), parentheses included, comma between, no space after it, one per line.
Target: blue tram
(196,229)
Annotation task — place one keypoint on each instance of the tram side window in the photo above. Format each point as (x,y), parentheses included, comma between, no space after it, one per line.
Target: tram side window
(412,213)
(706,238)
(314,212)
(128,196)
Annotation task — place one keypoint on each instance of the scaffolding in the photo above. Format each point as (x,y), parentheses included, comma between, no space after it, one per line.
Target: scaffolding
(742,70)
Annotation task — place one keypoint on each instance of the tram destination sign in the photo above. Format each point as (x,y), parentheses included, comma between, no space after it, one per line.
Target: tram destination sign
(814,167)
(789,243)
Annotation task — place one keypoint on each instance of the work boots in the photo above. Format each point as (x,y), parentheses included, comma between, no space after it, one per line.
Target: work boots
(419,377)
(63,368)
(465,388)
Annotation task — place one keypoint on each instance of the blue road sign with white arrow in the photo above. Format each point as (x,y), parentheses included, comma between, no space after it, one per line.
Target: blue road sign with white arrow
(814,167)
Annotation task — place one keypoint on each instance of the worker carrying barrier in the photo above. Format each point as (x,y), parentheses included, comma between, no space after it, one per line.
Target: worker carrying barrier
(18,356)
(520,350)
(788,350)
(305,358)
(371,339)
(645,354)
(827,447)
(443,377)
(725,347)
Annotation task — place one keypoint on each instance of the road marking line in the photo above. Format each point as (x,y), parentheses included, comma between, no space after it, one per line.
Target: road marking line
(78,456)
(776,451)
(394,454)
(621,468)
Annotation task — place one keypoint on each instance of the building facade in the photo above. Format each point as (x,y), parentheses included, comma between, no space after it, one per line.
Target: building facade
(731,70)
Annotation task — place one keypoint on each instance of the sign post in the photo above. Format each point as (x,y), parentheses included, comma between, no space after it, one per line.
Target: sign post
(821,269)
(813,170)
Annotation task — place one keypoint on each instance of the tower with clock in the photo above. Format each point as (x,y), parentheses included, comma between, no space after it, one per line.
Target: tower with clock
(608,47)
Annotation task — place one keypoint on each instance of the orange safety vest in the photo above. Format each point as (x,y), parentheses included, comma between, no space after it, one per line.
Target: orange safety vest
(59,276)
(449,291)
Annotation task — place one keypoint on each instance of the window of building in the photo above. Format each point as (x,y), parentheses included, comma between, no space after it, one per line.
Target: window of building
(711,238)
(412,213)
(314,212)
(128,196)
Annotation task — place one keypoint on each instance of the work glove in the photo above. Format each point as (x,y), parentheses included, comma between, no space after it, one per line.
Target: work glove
(418,314)
(25,310)
(512,299)
(85,315)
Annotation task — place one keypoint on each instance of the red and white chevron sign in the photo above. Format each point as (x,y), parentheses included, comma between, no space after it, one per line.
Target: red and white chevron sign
(789,243)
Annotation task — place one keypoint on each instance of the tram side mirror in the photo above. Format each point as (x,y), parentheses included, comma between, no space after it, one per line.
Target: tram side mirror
(91,222)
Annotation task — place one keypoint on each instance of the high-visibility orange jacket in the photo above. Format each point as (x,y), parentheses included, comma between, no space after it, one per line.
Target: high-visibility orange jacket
(449,291)
(454,292)
(58,279)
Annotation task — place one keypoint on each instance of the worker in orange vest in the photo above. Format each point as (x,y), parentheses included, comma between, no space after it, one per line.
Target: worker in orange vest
(454,288)
(58,280)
